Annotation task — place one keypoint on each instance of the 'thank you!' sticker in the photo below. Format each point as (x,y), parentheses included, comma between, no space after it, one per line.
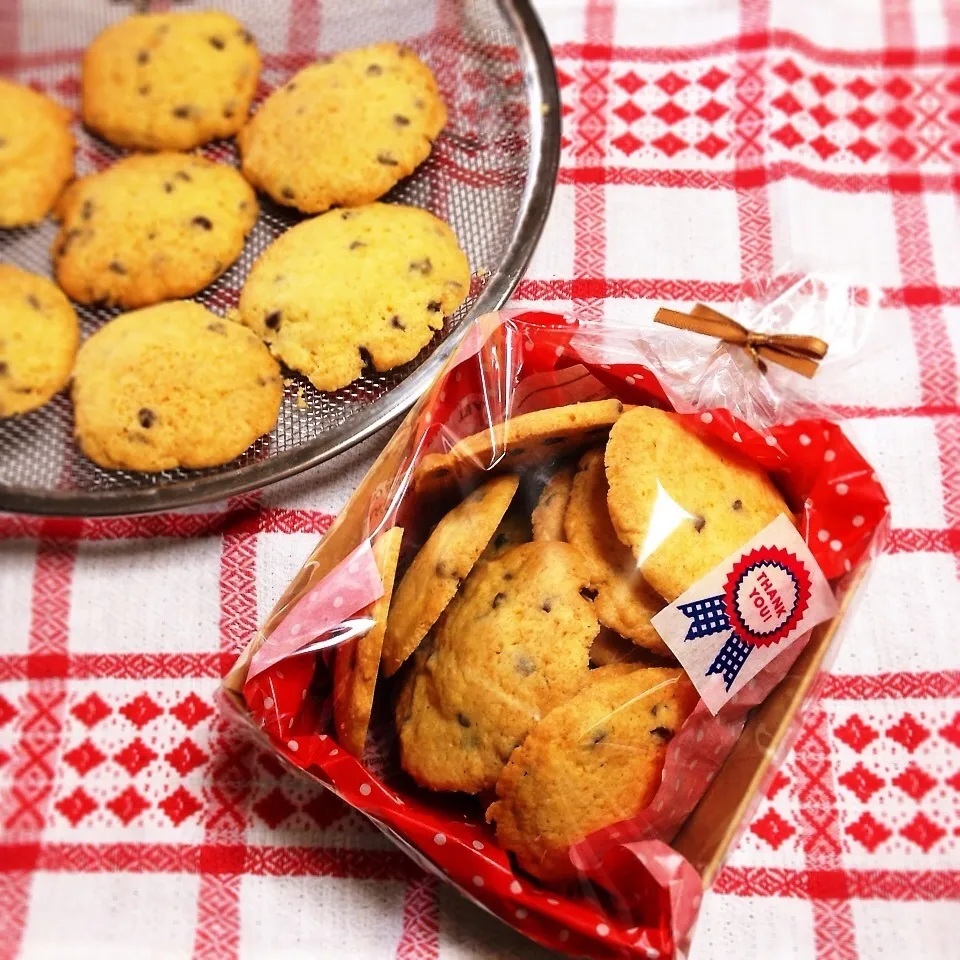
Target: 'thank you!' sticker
(731,623)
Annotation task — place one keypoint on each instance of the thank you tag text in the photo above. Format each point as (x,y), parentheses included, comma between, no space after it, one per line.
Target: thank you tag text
(746,611)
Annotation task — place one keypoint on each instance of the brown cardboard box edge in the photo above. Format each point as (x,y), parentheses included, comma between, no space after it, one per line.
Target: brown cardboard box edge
(710,832)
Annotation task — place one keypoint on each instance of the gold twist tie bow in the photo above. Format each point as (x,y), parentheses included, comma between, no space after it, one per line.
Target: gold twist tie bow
(794,351)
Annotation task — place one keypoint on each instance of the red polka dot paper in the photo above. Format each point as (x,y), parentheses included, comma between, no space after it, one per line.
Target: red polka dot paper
(638,898)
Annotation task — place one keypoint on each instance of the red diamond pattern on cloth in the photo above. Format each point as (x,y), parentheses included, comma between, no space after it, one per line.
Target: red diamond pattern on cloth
(671,83)
(127,805)
(915,782)
(951,732)
(191,711)
(713,79)
(898,88)
(864,149)
(670,113)
(140,711)
(862,117)
(76,806)
(900,117)
(7,713)
(84,758)
(856,734)
(135,756)
(324,809)
(860,88)
(179,806)
(787,103)
(629,111)
(869,832)
(788,136)
(861,782)
(902,149)
(712,111)
(630,82)
(825,148)
(788,71)
(908,733)
(4,758)
(670,144)
(822,115)
(627,143)
(274,808)
(772,828)
(711,145)
(68,87)
(823,85)
(922,831)
(91,710)
(186,757)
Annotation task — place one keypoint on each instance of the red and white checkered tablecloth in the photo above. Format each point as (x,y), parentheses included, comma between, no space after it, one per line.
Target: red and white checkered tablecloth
(705,142)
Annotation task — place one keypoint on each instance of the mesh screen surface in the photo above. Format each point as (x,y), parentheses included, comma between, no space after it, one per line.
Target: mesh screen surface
(474,179)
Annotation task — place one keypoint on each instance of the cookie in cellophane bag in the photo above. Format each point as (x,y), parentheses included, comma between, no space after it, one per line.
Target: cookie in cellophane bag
(547,738)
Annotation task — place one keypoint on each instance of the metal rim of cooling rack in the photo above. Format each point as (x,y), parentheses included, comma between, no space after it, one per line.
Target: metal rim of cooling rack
(538,64)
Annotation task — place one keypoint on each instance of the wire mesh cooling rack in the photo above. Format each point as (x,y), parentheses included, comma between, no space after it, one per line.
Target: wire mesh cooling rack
(491,176)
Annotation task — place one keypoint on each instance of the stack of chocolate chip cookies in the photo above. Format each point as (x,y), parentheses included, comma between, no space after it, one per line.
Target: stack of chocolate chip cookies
(528,672)
(355,285)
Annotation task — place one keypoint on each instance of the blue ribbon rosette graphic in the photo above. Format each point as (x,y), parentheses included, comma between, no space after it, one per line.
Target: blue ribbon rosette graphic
(754,611)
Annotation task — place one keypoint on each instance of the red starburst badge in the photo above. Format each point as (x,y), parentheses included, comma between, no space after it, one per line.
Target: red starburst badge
(766,595)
